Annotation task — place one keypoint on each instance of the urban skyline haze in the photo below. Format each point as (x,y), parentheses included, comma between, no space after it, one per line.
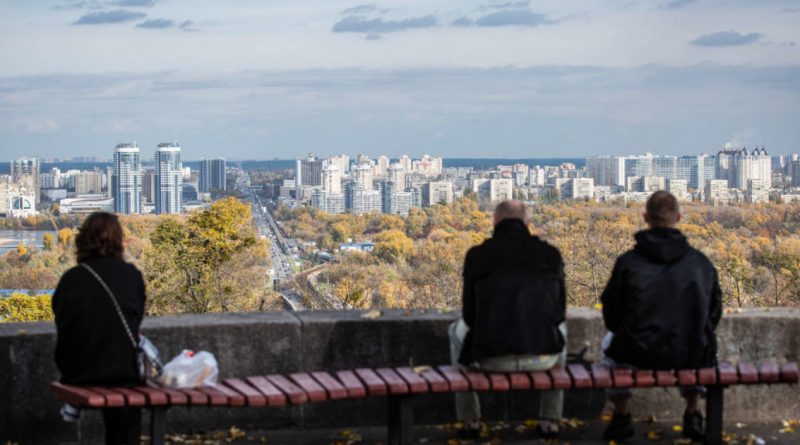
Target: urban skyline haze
(469,79)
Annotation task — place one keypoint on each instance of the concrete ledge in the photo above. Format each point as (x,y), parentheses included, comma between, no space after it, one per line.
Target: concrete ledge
(279,342)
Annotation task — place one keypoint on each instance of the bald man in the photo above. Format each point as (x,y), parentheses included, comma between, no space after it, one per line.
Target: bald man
(514,307)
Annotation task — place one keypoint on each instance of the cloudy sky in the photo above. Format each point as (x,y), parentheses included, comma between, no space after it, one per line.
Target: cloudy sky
(459,78)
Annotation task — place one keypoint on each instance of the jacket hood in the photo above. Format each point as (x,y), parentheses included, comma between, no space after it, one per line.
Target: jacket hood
(661,245)
(509,226)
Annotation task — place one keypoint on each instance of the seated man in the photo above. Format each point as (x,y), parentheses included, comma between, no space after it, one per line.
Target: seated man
(661,307)
(514,308)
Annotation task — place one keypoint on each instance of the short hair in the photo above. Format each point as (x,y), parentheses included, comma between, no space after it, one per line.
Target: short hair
(662,209)
(511,209)
(100,235)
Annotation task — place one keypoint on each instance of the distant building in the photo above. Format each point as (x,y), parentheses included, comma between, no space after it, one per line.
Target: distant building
(576,188)
(149,186)
(356,247)
(362,200)
(493,190)
(436,192)
(362,175)
(679,188)
(716,191)
(212,175)
(308,173)
(757,191)
(605,170)
(169,178)
(27,169)
(648,184)
(795,163)
(332,179)
(739,166)
(329,202)
(341,161)
(397,174)
(86,204)
(127,179)
(89,182)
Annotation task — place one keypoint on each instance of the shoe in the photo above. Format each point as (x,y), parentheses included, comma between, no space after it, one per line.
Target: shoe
(620,428)
(693,426)
(548,429)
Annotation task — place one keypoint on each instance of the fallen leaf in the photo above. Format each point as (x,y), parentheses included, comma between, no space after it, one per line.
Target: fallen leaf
(598,306)
(531,423)
(677,428)
(654,435)
(371,315)
(421,369)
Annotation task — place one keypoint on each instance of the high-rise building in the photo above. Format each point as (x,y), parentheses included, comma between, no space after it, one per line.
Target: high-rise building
(149,186)
(757,191)
(575,188)
(679,189)
(341,161)
(407,163)
(212,175)
(493,190)
(325,201)
(436,192)
(169,178)
(127,179)
(362,175)
(332,179)
(795,172)
(716,191)
(605,170)
(739,166)
(648,184)
(308,173)
(397,174)
(696,170)
(381,166)
(89,182)
(27,169)
(360,200)
(428,166)
(536,176)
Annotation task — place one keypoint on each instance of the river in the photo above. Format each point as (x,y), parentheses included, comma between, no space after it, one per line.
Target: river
(9,239)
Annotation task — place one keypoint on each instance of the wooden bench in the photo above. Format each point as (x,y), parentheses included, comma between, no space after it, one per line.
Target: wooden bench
(400,385)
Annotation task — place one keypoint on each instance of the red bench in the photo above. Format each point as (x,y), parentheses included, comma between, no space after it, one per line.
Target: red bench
(401,384)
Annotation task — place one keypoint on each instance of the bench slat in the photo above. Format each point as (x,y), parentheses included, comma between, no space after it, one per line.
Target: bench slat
(580,378)
(519,380)
(416,383)
(707,376)
(113,398)
(687,377)
(455,378)
(395,383)
(499,381)
(789,372)
(333,388)
(155,396)
(623,377)
(235,398)
(355,390)
(727,374)
(561,379)
(748,373)
(77,396)
(316,393)
(644,378)
(295,393)
(769,372)
(435,380)
(375,385)
(601,376)
(195,397)
(176,397)
(274,396)
(541,380)
(665,378)
(132,398)
(252,396)
(477,380)
(215,397)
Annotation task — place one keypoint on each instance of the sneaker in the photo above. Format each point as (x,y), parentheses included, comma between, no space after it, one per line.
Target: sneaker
(693,426)
(548,429)
(70,413)
(620,428)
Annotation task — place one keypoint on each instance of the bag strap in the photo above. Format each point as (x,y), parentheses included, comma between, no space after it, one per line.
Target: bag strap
(116,305)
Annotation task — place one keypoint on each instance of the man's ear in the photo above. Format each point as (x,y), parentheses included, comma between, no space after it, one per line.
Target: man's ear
(646,217)
(678,219)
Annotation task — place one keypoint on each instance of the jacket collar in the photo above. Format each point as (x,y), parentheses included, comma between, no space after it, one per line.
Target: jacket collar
(511,227)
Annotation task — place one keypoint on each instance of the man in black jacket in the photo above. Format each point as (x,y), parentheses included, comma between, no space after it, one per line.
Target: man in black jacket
(661,307)
(514,307)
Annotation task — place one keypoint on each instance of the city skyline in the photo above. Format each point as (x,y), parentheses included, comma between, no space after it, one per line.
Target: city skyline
(459,79)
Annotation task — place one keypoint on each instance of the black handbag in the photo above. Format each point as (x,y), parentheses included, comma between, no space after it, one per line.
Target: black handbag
(148,361)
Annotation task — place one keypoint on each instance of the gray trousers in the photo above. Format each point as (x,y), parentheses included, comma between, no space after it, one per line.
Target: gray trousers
(468,408)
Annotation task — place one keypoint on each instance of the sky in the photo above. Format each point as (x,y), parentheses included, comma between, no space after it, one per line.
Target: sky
(460,78)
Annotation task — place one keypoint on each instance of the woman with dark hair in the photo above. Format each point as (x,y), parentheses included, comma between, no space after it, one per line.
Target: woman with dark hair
(92,346)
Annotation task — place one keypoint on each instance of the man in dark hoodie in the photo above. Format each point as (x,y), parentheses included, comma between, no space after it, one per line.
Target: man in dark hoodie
(661,307)
(514,307)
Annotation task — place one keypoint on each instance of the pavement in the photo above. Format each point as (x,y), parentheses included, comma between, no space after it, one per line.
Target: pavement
(572,432)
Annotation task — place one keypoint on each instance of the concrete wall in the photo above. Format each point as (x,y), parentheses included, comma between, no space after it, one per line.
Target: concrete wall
(280,342)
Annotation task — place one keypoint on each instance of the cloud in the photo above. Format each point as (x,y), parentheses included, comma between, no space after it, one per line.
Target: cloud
(135,3)
(462,21)
(675,4)
(360,9)
(156,24)
(373,36)
(378,25)
(519,17)
(726,38)
(508,5)
(187,25)
(101,18)
(790,10)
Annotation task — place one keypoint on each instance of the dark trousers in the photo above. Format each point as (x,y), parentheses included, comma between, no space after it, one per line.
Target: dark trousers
(123,425)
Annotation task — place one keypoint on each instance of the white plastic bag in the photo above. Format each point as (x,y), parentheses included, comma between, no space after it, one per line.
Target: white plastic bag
(190,369)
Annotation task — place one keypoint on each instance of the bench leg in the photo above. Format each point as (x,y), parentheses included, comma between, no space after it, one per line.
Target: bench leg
(401,420)
(714,415)
(158,425)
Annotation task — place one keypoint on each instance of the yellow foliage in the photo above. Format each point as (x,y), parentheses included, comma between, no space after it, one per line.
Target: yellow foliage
(19,307)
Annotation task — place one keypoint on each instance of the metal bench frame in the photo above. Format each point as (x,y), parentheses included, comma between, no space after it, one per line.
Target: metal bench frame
(401,384)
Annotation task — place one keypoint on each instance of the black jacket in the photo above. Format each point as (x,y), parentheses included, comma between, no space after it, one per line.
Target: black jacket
(92,346)
(514,295)
(663,303)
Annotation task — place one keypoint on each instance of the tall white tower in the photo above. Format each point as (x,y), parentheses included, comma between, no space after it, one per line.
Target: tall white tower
(127,179)
(169,178)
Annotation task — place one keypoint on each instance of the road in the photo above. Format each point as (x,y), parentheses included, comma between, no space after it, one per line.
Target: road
(281,272)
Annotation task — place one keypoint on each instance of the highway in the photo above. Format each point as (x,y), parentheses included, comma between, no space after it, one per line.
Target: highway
(281,272)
